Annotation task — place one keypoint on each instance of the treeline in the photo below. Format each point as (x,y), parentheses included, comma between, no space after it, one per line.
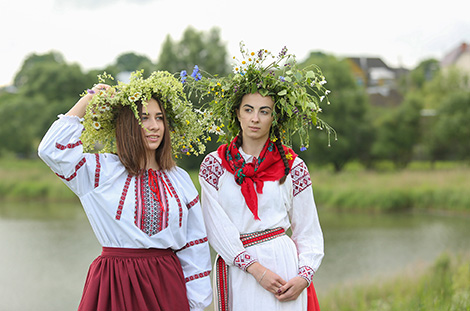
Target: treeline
(47,85)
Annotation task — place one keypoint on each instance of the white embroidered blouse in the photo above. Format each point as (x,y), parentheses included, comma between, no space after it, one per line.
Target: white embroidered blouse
(290,205)
(124,212)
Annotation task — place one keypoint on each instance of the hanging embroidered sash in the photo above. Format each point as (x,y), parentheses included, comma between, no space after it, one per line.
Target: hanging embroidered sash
(249,239)
(222,268)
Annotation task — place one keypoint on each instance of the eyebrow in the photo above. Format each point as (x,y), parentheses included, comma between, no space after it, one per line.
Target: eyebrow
(146,113)
(262,107)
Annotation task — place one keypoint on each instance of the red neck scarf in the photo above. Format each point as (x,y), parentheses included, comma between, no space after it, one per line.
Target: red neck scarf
(268,167)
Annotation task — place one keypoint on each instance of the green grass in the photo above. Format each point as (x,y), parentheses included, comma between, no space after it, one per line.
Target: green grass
(444,187)
(31,180)
(443,287)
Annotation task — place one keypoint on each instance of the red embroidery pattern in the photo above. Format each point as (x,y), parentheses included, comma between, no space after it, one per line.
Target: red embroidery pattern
(123,197)
(197,276)
(97,170)
(193,202)
(173,191)
(260,236)
(300,178)
(244,260)
(151,212)
(74,174)
(222,284)
(307,273)
(192,243)
(69,146)
(211,170)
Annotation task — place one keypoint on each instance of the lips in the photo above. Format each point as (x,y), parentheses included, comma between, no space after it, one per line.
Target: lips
(153,137)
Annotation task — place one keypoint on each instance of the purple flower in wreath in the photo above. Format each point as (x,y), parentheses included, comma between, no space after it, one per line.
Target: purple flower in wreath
(195,72)
(282,79)
(303,148)
(183,75)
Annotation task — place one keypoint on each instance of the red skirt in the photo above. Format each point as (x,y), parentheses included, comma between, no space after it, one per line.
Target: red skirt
(135,279)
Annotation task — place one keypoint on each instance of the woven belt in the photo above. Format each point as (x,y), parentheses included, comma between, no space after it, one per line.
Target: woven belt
(248,239)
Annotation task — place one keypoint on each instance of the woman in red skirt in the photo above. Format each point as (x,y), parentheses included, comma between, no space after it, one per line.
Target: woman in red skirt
(143,209)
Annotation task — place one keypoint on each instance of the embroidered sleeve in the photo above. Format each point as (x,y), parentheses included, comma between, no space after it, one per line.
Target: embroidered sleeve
(194,255)
(244,260)
(211,170)
(62,150)
(307,273)
(193,202)
(195,242)
(300,178)
(306,230)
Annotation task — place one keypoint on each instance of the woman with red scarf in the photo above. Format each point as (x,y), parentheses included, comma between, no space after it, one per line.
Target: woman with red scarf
(253,190)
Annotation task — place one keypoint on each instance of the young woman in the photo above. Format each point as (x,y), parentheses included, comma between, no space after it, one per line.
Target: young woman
(254,189)
(143,209)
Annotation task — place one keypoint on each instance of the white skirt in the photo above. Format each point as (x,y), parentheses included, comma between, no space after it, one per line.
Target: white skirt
(245,294)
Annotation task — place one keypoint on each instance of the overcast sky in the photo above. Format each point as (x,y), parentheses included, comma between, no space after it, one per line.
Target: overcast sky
(93,33)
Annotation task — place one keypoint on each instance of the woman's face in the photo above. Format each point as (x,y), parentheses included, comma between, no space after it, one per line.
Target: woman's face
(153,125)
(255,115)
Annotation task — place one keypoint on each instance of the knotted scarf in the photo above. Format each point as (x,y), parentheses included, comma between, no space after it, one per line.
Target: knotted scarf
(267,167)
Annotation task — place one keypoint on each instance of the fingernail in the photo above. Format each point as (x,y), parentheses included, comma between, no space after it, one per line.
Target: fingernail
(278,291)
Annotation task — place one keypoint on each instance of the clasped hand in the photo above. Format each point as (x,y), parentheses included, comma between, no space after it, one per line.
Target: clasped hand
(270,281)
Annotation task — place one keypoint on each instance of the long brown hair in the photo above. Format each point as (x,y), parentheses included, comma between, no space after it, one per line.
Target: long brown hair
(131,146)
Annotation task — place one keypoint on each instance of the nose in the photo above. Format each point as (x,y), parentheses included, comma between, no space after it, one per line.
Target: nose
(153,125)
(255,117)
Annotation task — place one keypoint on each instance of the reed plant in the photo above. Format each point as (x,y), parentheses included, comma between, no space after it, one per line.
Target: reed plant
(444,286)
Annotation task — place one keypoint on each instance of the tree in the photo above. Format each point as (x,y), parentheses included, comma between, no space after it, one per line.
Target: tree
(399,132)
(436,95)
(417,78)
(19,126)
(31,61)
(195,48)
(128,62)
(47,86)
(347,114)
(451,132)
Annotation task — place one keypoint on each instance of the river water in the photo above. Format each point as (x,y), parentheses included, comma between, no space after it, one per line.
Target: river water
(45,250)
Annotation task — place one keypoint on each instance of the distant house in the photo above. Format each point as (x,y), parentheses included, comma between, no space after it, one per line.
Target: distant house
(379,79)
(458,58)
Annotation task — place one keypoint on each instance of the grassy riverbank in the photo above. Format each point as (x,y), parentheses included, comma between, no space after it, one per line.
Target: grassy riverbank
(445,187)
(443,287)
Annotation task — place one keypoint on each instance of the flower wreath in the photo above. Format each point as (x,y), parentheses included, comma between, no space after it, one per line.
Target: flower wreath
(186,126)
(296,109)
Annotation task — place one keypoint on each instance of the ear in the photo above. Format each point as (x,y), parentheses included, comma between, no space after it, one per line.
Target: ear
(238,113)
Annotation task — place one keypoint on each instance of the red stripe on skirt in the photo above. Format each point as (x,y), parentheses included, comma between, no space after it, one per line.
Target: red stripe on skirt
(135,279)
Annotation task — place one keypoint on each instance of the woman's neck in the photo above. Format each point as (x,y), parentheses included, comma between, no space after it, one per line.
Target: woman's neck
(152,163)
(253,147)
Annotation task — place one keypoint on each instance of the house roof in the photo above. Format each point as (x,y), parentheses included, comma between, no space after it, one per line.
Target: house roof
(369,62)
(451,57)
